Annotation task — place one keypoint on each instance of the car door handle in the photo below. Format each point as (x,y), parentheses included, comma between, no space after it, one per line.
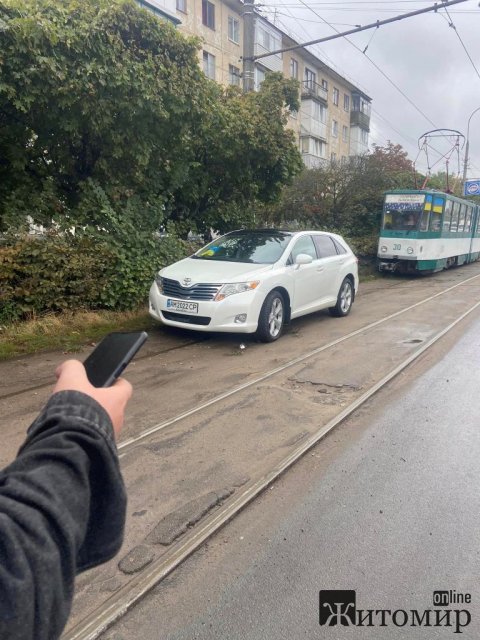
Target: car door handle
(320,268)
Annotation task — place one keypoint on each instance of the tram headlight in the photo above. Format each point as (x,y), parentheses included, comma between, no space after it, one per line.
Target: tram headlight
(383,249)
(410,250)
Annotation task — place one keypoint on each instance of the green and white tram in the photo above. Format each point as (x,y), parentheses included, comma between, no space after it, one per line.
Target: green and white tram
(427,231)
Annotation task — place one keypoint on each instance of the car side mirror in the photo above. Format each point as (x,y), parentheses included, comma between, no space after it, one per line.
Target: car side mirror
(303,258)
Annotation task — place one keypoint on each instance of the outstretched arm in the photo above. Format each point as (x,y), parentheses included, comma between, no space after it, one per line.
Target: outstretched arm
(62,504)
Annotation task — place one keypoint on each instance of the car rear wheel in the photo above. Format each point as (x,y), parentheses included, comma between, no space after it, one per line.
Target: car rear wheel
(272,317)
(344,300)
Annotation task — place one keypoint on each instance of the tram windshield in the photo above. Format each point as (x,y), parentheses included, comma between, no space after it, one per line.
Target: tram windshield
(405,220)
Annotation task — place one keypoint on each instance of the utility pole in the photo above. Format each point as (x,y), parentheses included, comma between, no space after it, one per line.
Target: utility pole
(465,162)
(249,45)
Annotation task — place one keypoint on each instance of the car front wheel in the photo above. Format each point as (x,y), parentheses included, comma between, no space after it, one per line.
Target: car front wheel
(272,317)
(344,300)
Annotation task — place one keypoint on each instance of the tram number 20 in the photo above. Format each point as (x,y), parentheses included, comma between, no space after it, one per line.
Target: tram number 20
(397,247)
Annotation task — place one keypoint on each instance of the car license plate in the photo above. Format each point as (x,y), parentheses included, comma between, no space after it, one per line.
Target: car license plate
(182,305)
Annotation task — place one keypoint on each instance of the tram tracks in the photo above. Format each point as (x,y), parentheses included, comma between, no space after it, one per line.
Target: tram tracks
(142,356)
(124,446)
(112,609)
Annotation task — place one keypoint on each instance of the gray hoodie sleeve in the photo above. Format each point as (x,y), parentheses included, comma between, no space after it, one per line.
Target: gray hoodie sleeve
(62,510)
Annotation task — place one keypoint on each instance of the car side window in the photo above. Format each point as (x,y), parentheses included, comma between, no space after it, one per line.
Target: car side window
(325,246)
(303,245)
(340,249)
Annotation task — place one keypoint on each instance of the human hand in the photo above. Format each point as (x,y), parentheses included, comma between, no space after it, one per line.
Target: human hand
(71,376)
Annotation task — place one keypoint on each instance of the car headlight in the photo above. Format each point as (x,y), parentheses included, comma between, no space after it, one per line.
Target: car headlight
(235,287)
(383,249)
(159,283)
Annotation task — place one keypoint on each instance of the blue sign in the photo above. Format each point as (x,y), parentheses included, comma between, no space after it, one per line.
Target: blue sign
(471,188)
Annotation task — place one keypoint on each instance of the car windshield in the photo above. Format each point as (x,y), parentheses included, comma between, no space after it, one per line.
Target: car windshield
(256,247)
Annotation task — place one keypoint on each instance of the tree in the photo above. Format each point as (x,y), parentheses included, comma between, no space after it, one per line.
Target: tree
(92,93)
(243,154)
(346,196)
(101,96)
(108,126)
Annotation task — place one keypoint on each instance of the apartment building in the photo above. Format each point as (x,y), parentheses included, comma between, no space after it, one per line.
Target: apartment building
(333,121)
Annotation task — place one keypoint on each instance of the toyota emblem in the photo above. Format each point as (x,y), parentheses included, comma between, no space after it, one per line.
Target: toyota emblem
(186,282)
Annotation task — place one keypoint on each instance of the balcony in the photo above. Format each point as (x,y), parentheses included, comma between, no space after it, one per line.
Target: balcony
(312,89)
(360,119)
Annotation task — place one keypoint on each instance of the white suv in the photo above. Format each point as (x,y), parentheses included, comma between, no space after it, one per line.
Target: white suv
(256,281)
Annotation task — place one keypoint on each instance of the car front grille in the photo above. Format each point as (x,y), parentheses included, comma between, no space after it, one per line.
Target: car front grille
(187,319)
(199,291)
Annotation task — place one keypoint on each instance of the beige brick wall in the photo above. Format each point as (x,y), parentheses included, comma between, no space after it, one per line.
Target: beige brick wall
(215,41)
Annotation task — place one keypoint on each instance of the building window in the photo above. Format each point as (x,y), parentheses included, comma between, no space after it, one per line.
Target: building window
(269,41)
(344,160)
(259,77)
(233,29)
(345,133)
(364,136)
(336,95)
(209,65)
(324,84)
(182,5)
(314,147)
(333,156)
(334,129)
(362,105)
(319,148)
(208,14)
(233,75)
(310,78)
(319,112)
(294,68)
(346,102)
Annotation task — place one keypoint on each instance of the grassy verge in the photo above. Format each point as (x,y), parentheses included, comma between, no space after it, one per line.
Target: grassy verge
(368,271)
(68,331)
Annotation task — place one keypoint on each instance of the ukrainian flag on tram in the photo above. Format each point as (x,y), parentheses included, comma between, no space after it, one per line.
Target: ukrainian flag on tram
(432,203)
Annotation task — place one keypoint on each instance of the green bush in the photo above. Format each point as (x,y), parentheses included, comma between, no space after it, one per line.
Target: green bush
(364,246)
(52,273)
(58,272)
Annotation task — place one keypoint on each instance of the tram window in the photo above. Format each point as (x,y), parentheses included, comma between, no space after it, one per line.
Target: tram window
(461,217)
(447,216)
(468,220)
(435,221)
(456,210)
(403,220)
(424,220)
(387,220)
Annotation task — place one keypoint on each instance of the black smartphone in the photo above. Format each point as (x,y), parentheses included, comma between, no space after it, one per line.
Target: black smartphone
(110,357)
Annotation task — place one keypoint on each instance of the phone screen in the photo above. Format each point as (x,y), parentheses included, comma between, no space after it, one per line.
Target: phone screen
(111,356)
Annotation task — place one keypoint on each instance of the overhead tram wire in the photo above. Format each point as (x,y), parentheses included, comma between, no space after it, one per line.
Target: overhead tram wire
(324,55)
(339,34)
(444,4)
(376,66)
(452,25)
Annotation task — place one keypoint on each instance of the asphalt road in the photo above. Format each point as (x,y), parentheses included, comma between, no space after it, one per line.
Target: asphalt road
(387,505)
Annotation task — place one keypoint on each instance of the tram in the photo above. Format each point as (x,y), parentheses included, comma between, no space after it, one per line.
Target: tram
(427,231)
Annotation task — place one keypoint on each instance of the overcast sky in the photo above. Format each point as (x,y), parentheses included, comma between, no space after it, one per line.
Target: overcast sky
(422,55)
